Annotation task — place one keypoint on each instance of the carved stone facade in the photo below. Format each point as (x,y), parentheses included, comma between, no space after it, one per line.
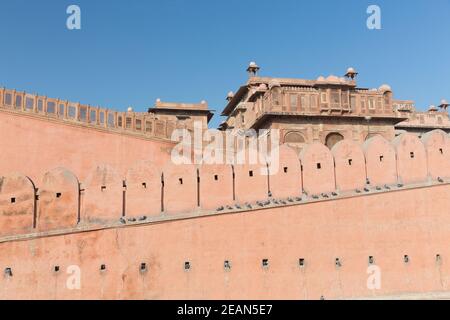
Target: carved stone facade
(325,110)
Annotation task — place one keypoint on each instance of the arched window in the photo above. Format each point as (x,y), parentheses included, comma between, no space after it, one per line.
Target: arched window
(294,137)
(332,139)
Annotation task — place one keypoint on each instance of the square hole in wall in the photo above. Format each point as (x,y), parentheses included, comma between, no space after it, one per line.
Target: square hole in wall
(227,265)
(8,272)
(411,154)
(301,262)
(216,177)
(13,200)
(56,268)
(406,258)
(381,158)
(371,260)
(143,267)
(441,151)
(103,188)
(187,265)
(103,267)
(350,162)
(180,180)
(265,263)
(58,194)
(285,169)
(250,173)
(144,185)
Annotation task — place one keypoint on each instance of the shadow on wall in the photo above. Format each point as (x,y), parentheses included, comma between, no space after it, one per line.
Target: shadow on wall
(61,202)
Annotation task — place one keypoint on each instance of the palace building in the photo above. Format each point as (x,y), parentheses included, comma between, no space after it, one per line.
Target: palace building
(326,110)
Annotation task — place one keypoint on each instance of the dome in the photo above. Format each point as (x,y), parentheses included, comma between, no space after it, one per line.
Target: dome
(432,108)
(351,73)
(384,88)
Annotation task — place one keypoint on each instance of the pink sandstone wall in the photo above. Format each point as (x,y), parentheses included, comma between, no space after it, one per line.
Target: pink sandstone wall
(34,146)
(17,205)
(411,158)
(216,186)
(180,192)
(60,200)
(251,182)
(386,220)
(381,161)
(318,169)
(102,197)
(349,165)
(143,190)
(59,195)
(286,180)
(437,147)
(416,224)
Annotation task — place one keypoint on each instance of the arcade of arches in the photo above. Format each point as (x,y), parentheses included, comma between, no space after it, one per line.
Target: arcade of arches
(296,139)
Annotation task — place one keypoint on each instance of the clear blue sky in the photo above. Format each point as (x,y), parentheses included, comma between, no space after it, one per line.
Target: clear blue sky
(128,53)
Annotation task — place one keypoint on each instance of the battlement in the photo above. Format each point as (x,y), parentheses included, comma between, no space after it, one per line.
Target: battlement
(60,202)
(183,106)
(135,123)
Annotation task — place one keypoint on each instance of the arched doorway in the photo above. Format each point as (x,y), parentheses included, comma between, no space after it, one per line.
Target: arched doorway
(332,139)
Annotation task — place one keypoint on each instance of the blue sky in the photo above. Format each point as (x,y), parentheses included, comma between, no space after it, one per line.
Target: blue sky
(128,53)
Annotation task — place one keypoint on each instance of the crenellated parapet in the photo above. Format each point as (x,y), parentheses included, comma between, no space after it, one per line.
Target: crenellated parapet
(130,122)
(59,202)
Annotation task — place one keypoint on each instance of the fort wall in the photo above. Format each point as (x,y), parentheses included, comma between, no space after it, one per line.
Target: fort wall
(304,232)
(61,200)
(38,141)
(148,261)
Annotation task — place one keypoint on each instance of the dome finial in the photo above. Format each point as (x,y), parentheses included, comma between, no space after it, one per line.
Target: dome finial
(351,73)
(253,69)
(444,104)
